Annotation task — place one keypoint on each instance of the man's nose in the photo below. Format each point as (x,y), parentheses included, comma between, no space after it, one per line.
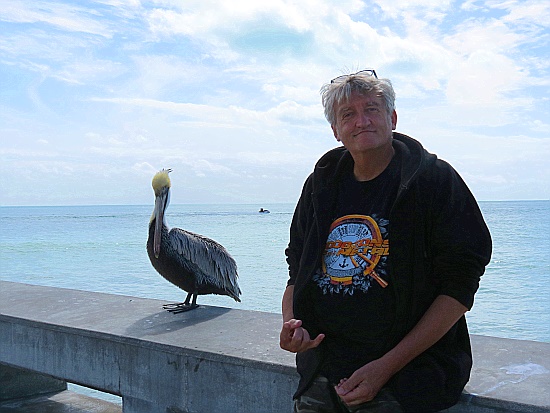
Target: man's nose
(363,119)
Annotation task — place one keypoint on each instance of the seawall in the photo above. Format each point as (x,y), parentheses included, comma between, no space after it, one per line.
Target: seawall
(208,360)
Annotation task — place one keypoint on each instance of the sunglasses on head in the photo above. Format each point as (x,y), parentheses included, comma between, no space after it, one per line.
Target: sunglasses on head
(365,72)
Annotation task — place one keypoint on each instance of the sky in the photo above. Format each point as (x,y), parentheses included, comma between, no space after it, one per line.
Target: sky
(96,96)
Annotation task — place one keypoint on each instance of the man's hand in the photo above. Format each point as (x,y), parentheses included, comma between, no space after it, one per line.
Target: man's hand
(364,384)
(295,338)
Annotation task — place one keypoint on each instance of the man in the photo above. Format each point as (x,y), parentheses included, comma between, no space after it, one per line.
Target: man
(387,246)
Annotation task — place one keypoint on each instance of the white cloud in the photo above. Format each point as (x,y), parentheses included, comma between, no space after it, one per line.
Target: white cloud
(145,167)
(538,125)
(526,12)
(228,117)
(57,14)
(483,79)
(221,90)
(490,34)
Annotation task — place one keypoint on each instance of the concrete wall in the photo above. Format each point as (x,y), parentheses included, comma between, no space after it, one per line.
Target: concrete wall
(211,359)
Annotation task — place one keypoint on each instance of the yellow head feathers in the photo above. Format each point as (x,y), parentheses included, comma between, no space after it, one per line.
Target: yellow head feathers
(161,180)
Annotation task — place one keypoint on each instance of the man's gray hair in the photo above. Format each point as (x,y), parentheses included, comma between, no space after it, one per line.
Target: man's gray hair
(338,91)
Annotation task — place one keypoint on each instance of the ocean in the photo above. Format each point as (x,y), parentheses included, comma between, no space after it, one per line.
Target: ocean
(102,248)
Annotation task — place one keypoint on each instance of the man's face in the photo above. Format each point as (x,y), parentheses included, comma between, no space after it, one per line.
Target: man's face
(363,123)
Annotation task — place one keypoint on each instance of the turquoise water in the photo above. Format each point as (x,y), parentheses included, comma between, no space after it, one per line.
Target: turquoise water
(102,248)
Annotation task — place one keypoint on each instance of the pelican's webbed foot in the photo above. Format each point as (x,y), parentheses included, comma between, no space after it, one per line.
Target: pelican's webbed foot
(189,304)
(177,308)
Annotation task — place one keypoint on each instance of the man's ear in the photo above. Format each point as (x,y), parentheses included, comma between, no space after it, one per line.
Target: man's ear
(394,120)
(335,132)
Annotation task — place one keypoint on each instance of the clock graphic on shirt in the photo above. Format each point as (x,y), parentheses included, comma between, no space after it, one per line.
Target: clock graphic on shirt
(353,250)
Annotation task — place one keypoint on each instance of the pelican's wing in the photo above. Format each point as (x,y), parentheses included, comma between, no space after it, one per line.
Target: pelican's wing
(212,259)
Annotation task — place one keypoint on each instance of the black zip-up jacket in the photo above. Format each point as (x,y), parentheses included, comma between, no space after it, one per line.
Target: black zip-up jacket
(439,245)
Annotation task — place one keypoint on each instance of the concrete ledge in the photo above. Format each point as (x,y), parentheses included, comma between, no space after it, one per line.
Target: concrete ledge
(211,359)
(510,374)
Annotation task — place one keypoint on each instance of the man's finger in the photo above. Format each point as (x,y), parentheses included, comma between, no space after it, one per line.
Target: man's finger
(298,335)
(346,386)
(317,340)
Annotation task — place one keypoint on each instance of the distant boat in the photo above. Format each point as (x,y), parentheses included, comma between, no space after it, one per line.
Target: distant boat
(263,211)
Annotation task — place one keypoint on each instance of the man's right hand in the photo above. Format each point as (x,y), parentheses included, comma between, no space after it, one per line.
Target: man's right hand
(295,338)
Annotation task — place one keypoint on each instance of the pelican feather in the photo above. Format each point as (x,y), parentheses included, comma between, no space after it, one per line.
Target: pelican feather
(215,265)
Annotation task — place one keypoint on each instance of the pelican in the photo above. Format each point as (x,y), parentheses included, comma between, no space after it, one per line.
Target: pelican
(192,262)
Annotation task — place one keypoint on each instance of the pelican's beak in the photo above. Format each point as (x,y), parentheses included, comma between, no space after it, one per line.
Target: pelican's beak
(160,205)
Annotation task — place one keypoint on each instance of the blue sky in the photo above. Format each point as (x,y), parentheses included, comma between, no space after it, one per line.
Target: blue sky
(96,96)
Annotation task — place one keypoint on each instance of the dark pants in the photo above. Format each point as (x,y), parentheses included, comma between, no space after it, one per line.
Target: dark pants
(322,398)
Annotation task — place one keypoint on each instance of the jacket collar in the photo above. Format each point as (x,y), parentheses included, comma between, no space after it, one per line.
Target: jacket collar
(335,162)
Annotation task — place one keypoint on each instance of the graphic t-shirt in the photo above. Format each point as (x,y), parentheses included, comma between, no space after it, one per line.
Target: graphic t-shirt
(352,292)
